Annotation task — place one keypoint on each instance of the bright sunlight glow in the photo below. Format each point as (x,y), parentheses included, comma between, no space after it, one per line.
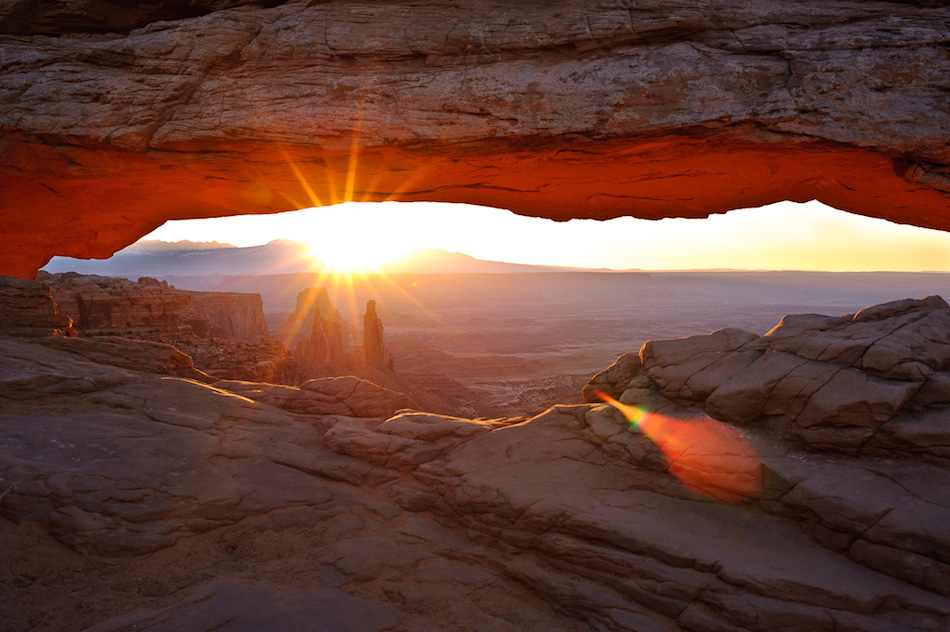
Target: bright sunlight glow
(360,253)
(781,236)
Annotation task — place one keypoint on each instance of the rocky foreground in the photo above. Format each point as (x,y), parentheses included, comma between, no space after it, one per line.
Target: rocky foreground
(557,109)
(132,497)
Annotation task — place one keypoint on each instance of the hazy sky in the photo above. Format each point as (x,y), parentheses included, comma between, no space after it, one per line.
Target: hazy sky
(782,236)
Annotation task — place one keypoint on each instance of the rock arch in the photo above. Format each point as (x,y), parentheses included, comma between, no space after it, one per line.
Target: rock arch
(109,127)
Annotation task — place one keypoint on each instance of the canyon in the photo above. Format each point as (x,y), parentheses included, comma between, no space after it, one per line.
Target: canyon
(138,498)
(649,109)
(753,468)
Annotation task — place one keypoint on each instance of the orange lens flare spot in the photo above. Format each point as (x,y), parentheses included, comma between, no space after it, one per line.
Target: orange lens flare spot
(707,456)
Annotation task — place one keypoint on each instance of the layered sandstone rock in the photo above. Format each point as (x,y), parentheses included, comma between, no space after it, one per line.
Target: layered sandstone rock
(154,502)
(231,315)
(27,308)
(866,383)
(310,302)
(222,333)
(112,305)
(108,304)
(559,110)
(322,353)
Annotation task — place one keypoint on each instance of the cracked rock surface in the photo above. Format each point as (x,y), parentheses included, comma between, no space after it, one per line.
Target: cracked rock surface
(159,502)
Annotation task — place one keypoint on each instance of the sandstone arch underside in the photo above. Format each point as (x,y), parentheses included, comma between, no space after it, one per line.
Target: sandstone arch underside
(116,118)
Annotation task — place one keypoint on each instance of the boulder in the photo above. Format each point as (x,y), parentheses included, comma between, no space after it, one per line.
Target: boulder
(831,382)
(614,380)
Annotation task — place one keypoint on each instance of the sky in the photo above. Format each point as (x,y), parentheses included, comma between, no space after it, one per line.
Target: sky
(781,236)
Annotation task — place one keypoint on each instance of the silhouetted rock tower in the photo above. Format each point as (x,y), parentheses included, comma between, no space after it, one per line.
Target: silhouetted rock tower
(373,351)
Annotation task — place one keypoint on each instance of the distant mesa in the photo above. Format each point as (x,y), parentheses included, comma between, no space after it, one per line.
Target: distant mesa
(163,259)
(223,333)
(280,256)
(157,245)
(106,305)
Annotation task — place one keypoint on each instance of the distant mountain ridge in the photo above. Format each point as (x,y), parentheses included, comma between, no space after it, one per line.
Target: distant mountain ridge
(157,245)
(184,258)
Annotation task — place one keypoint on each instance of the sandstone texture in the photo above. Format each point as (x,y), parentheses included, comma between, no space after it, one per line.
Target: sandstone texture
(135,500)
(29,310)
(869,383)
(231,315)
(223,333)
(104,305)
(116,119)
(99,304)
(373,352)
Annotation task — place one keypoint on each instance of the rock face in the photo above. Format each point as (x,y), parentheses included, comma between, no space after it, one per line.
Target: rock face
(107,305)
(557,109)
(28,309)
(223,333)
(322,353)
(869,383)
(231,315)
(299,326)
(132,500)
(110,305)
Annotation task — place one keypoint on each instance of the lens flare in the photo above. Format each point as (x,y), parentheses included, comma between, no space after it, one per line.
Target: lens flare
(707,456)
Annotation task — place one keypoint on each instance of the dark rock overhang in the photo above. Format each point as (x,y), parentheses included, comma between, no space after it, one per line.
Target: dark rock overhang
(648,109)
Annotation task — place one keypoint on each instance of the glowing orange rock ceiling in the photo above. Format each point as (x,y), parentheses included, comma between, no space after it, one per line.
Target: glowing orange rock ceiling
(113,122)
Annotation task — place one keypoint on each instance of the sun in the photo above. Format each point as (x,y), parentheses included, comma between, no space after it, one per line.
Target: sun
(356,253)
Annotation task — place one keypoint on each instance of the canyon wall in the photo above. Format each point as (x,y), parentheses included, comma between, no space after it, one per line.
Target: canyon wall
(237,316)
(100,304)
(223,333)
(112,125)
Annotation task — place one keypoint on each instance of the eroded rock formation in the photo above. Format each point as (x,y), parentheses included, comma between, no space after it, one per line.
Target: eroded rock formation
(322,353)
(223,333)
(29,310)
(870,383)
(231,315)
(111,125)
(373,352)
(109,305)
(237,501)
(113,305)
(310,302)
